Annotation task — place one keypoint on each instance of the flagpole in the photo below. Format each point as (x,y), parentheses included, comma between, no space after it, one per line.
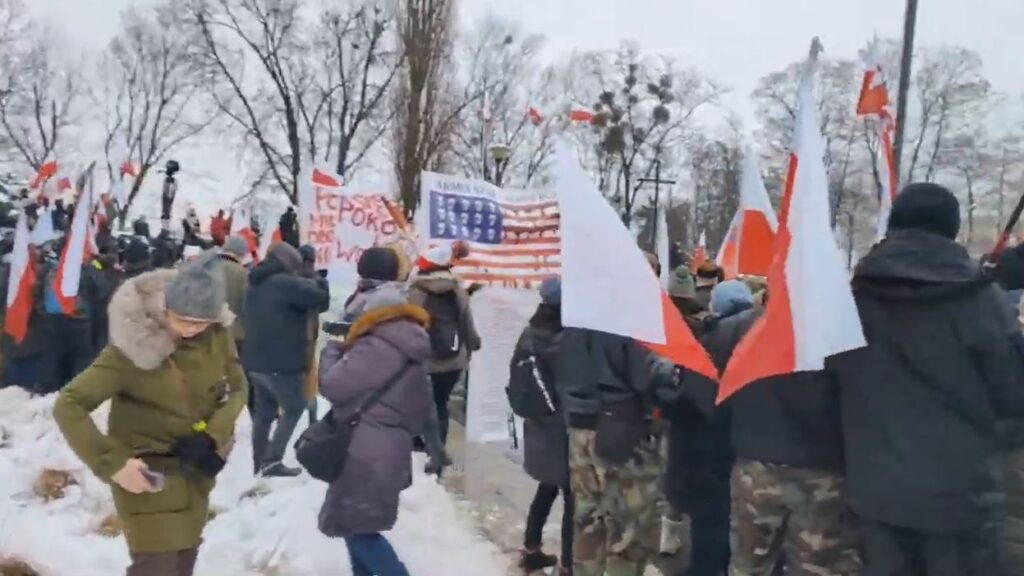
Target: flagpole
(906,63)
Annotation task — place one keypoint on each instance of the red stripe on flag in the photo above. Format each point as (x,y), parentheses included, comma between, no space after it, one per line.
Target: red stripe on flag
(770,340)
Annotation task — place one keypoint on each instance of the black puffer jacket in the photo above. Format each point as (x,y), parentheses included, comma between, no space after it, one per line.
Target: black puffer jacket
(700,453)
(277,308)
(597,369)
(920,403)
(545,440)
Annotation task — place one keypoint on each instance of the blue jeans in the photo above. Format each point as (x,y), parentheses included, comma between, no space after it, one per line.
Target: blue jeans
(372,555)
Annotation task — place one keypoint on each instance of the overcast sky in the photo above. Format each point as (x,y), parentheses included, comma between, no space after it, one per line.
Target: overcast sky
(734,41)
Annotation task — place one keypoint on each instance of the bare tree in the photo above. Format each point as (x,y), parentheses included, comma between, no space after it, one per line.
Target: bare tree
(501,71)
(228,34)
(642,112)
(426,110)
(836,90)
(968,157)
(343,103)
(156,102)
(38,99)
(951,93)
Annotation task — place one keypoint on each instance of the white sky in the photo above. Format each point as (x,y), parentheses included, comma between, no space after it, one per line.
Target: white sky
(734,41)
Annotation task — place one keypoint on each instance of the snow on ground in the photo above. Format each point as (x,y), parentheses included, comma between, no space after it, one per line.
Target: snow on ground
(273,533)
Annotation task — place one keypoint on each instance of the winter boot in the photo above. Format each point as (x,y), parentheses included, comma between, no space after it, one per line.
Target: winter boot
(671,536)
(279,470)
(535,560)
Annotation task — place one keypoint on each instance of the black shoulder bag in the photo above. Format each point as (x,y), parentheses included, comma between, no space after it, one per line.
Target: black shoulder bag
(323,448)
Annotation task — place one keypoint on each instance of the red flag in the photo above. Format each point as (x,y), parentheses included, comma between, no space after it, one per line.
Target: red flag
(811,313)
(21,284)
(325,179)
(536,118)
(579,113)
(129,169)
(46,171)
(76,247)
(874,102)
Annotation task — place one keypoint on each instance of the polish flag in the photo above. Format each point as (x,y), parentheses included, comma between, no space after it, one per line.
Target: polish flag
(535,116)
(267,241)
(69,271)
(579,113)
(747,248)
(700,253)
(811,313)
(240,226)
(874,103)
(119,187)
(20,284)
(46,171)
(625,298)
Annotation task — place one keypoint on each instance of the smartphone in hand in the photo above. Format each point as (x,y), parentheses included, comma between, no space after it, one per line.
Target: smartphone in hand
(155,479)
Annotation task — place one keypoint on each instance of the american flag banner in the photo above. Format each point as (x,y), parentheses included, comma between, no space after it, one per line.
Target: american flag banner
(513,236)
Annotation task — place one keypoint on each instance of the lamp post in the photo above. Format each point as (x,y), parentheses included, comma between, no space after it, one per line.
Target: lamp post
(501,154)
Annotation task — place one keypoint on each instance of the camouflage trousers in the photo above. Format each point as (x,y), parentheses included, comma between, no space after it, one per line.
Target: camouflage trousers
(616,517)
(797,513)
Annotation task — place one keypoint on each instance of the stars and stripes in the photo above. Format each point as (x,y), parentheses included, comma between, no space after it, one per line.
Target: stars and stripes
(510,243)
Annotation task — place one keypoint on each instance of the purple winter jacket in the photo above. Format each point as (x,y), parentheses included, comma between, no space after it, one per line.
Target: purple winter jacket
(364,499)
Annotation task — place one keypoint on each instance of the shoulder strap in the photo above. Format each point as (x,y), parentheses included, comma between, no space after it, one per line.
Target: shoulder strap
(379,393)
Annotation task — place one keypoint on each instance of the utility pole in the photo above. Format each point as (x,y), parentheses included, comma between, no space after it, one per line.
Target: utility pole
(906,64)
(657,181)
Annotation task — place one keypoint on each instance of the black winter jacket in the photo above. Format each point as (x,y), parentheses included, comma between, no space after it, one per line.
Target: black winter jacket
(920,403)
(597,369)
(277,308)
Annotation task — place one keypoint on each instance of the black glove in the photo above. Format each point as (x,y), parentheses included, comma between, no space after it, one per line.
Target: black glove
(200,451)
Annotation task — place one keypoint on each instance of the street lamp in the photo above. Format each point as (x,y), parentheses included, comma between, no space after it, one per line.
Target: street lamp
(501,154)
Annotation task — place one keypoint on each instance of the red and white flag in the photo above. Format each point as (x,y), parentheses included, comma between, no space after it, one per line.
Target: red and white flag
(874,103)
(535,116)
(700,253)
(127,173)
(579,113)
(811,314)
(607,283)
(241,225)
(20,284)
(748,246)
(47,171)
(76,246)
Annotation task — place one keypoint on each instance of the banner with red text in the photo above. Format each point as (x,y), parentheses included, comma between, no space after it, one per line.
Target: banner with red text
(341,223)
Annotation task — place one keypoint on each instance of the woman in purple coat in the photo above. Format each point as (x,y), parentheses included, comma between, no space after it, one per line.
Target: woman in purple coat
(386,346)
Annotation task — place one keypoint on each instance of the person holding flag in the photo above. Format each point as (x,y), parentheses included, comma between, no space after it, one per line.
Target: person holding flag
(921,403)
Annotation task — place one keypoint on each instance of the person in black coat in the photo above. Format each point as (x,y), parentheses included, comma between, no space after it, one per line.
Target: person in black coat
(546,441)
(278,304)
(289,226)
(700,453)
(920,403)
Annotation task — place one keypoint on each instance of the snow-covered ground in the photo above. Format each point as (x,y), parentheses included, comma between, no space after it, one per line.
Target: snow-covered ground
(261,527)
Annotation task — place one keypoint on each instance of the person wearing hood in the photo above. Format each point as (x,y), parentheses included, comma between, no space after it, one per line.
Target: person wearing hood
(545,437)
(385,351)
(172,376)
(708,276)
(453,335)
(136,257)
(278,303)
(288,224)
(700,453)
(920,403)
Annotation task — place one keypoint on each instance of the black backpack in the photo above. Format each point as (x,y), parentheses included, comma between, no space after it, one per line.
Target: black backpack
(445,324)
(528,395)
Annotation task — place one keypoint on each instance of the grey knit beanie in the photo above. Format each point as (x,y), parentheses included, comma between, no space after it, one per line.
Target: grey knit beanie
(198,290)
(287,255)
(236,246)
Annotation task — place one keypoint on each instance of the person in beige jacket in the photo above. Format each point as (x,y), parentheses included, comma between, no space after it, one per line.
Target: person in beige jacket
(453,336)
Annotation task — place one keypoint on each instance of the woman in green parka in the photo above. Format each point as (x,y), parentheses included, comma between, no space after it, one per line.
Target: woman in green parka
(172,374)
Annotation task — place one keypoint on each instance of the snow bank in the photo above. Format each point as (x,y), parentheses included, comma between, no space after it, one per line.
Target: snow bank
(265,527)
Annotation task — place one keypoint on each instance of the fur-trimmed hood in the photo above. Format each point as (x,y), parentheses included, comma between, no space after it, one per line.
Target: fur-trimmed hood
(138,317)
(403,326)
